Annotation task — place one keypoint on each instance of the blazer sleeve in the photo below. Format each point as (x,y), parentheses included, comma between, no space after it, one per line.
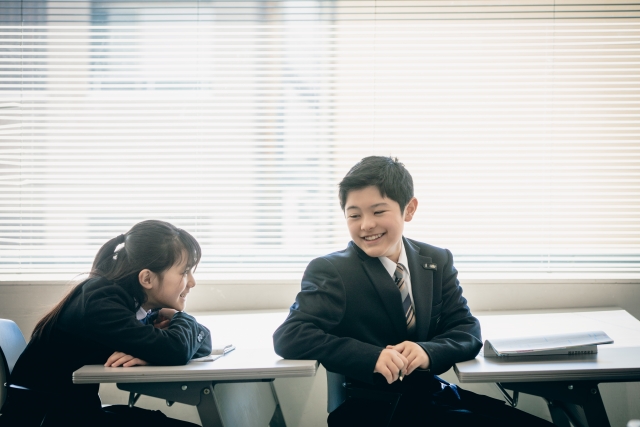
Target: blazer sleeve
(457,335)
(307,333)
(109,321)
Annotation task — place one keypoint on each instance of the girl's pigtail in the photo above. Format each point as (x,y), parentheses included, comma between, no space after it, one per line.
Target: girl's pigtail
(107,257)
(105,261)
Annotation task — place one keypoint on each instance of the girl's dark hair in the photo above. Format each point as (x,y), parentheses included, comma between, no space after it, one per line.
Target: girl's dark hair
(154,245)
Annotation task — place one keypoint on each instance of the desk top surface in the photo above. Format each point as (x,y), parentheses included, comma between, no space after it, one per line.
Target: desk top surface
(253,358)
(619,361)
(240,364)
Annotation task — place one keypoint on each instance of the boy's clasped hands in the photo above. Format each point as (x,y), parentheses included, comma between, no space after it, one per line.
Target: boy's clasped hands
(397,361)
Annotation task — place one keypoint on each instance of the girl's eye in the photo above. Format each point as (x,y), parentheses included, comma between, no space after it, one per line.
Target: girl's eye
(379,212)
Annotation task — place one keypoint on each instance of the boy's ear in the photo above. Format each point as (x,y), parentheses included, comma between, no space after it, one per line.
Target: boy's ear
(145,277)
(410,209)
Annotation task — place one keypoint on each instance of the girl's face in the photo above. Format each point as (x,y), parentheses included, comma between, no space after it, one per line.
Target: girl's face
(170,290)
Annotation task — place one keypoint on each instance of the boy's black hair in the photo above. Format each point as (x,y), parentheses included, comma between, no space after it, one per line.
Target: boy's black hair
(390,176)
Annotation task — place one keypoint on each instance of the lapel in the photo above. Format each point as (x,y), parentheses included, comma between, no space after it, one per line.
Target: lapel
(386,289)
(421,287)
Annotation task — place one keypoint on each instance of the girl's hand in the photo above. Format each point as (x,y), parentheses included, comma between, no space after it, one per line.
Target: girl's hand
(125,360)
(164,318)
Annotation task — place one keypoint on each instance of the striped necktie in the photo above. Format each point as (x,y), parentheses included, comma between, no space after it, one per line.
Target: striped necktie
(406,299)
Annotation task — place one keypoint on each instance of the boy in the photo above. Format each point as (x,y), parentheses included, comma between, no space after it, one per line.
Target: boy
(388,314)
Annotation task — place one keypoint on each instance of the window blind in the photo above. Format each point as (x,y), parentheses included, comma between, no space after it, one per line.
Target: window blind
(236,120)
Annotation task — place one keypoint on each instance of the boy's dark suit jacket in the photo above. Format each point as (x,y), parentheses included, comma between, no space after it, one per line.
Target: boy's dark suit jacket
(349,310)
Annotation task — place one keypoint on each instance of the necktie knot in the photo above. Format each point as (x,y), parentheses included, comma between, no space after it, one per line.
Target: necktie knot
(399,273)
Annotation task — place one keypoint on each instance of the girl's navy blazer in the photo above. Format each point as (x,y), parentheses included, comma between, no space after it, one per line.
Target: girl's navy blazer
(99,320)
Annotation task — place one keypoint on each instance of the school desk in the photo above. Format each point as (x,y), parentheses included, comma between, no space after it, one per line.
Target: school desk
(569,384)
(253,362)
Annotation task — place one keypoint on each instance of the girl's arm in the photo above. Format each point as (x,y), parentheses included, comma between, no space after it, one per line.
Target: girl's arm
(104,314)
(162,321)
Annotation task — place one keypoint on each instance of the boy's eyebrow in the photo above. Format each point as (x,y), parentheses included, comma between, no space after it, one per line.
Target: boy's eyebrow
(378,204)
(370,207)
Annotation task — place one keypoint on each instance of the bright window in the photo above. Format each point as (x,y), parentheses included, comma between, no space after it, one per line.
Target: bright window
(236,120)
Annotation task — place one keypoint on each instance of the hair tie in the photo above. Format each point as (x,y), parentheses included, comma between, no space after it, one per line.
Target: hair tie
(119,246)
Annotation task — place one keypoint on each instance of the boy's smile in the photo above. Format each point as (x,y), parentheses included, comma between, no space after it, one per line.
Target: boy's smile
(375,223)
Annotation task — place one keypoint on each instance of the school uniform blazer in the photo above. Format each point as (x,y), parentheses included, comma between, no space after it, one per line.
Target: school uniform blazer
(100,319)
(349,310)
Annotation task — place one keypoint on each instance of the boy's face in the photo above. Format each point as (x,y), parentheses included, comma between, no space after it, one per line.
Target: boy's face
(375,222)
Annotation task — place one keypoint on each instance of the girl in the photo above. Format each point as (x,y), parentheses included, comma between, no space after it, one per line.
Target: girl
(128,312)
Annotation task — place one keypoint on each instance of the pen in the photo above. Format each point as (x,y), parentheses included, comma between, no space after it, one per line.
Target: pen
(400,375)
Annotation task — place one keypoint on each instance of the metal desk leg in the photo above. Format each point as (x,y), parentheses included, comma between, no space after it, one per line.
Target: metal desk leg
(208,408)
(513,401)
(278,417)
(579,400)
(566,414)
(200,394)
(558,414)
(594,408)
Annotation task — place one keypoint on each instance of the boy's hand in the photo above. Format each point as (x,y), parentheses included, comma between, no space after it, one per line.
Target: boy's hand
(119,358)
(415,355)
(164,318)
(390,363)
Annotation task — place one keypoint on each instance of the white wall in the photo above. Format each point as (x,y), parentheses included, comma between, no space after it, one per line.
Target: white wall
(304,399)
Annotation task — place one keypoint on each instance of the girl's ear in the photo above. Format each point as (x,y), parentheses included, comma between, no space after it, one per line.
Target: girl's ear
(145,277)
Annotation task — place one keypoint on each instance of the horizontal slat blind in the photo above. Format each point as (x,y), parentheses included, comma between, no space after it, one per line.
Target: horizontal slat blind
(236,120)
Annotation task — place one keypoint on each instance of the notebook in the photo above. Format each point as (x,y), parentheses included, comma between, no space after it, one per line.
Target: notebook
(544,345)
(215,354)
